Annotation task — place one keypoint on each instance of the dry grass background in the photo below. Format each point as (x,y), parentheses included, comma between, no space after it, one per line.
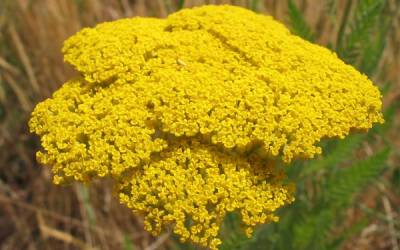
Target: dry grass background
(34,213)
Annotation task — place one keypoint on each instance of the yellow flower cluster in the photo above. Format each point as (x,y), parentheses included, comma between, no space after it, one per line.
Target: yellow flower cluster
(193,185)
(188,114)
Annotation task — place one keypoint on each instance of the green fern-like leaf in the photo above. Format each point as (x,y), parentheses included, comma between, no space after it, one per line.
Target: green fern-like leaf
(297,22)
(312,232)
(233,237)
(338,154)
(389,115)
(235,242)
(346,182)
(373,51)
(365,17)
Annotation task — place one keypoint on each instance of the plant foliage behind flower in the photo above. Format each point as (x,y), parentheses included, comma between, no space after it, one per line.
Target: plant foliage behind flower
(191,114)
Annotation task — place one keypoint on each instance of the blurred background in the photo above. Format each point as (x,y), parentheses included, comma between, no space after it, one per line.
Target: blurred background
(349,198)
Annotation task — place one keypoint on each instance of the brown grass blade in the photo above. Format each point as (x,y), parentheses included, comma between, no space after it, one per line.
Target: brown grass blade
(5,65)
(19,92)
(60,235)
(24,58)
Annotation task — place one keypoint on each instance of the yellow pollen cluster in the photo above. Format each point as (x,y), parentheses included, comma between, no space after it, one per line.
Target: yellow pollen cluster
(188,114)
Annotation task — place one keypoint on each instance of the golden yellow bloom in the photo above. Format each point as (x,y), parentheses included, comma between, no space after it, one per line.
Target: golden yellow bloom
(193,185)
(189,114)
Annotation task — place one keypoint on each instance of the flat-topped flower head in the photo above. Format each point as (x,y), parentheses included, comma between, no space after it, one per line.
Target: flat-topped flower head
(189,114)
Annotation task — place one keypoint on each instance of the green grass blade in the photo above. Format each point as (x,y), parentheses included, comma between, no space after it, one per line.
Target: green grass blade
(343,25)
(181,4)
(298,23)
(255,5)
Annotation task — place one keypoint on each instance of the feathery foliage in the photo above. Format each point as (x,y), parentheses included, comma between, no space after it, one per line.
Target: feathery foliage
(373,49)
(312,232)
(345,182)
(365,16)
(336,154)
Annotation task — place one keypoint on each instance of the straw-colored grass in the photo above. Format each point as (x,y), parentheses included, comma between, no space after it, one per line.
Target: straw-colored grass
(34,213)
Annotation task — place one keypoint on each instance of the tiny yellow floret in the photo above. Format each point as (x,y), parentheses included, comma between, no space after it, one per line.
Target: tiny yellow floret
(189,115)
